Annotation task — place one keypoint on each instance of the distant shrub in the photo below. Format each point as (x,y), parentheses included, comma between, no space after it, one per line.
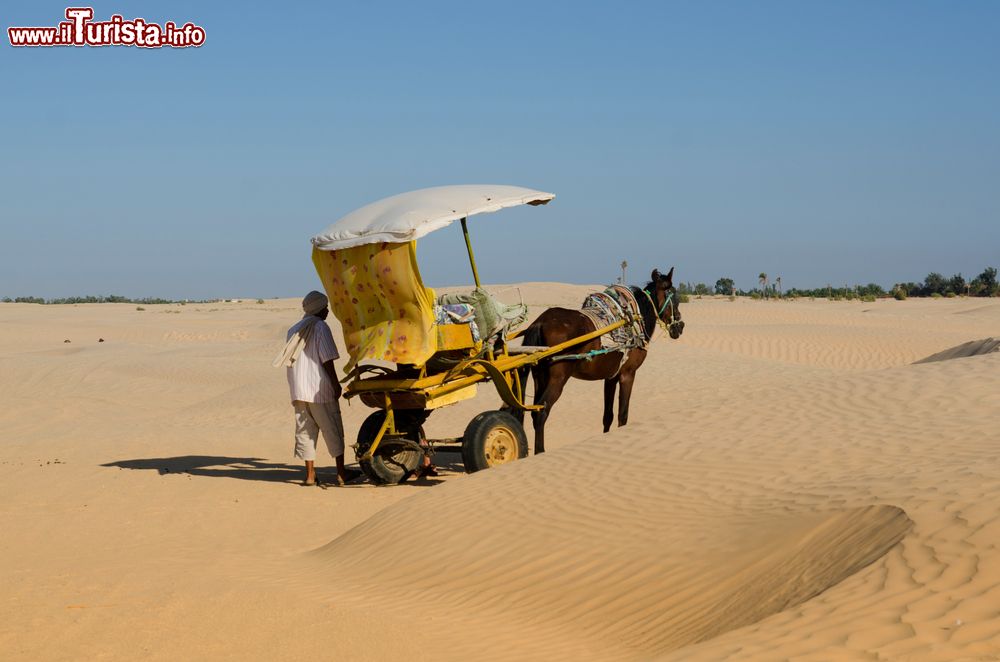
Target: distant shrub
(868,298)
(755,295)
(836,297)
(684,298)
(950,295)
(731,297)
(139,308)
(899,294)
(113,298)
(935,295)
(260,301)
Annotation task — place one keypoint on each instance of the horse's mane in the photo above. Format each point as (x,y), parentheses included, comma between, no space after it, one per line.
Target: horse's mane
(646,307)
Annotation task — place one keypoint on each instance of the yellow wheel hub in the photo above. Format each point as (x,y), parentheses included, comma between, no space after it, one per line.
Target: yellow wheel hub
(500,446)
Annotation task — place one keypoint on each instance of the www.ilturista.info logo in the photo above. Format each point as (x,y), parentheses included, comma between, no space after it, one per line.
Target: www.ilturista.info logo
(81,30)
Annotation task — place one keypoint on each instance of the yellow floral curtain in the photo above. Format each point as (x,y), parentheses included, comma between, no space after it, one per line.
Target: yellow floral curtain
(376,293)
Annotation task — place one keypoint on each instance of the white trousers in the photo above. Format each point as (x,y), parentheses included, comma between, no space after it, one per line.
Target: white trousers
(310,419)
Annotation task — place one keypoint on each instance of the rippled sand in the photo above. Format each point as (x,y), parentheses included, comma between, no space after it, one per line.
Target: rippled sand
(793,483)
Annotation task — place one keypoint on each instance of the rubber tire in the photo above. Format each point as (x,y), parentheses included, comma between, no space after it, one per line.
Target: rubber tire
(384,468)
(477,432)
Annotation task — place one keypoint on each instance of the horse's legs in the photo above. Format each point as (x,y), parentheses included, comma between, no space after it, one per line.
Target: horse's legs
(625,381)
(552,391)
(539,379)
(609,400)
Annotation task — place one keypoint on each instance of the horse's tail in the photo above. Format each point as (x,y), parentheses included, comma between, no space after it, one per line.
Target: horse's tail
(533,335)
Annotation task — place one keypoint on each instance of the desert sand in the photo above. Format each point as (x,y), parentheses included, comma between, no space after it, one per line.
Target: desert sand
(794,483)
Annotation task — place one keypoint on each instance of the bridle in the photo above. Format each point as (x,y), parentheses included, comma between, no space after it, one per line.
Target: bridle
(659,313)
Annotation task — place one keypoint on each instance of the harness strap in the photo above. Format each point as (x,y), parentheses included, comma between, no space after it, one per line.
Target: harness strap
(586,355)
(596,352)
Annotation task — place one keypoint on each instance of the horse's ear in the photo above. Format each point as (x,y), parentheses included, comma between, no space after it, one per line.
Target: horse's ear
(669,277)
(655,276)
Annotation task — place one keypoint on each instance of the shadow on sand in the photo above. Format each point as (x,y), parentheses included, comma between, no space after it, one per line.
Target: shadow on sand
(243,468)
(253,468)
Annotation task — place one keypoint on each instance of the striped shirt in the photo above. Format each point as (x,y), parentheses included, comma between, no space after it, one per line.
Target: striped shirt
(308,380)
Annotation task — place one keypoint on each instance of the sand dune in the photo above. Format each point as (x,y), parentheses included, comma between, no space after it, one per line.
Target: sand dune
(797,482)
(673,581)
(971,348)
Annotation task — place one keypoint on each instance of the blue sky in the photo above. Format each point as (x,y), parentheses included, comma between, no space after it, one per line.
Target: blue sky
(825,142)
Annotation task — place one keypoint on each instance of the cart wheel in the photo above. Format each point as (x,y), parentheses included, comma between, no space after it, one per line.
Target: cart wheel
(394,459)
(491,439)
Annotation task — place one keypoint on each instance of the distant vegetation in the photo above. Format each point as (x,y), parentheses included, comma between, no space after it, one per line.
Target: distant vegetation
(935,285)
(107,299)
(983,285)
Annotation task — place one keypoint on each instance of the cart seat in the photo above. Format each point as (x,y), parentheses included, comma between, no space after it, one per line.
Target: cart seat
(456,327)
(492,316)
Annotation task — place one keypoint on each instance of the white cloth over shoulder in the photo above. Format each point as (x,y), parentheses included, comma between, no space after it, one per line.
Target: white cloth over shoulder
(308,380)
(295,343)
(313,304)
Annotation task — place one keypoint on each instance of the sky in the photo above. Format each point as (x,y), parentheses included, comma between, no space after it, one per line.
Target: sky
(823,142)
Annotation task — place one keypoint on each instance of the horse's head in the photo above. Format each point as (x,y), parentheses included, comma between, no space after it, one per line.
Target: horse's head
(666,301)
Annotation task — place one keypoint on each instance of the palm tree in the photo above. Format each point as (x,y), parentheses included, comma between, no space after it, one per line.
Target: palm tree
(778,281)
(763,282)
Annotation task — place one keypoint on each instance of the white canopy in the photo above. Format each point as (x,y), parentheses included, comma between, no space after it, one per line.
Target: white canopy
(412,215)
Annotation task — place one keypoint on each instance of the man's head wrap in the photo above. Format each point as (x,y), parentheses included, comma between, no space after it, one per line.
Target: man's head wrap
(314,302)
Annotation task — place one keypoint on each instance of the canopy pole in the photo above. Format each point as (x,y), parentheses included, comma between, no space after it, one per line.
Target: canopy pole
(468,246)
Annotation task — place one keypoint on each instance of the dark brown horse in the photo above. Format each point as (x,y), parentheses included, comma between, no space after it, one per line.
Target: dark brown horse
(657,300)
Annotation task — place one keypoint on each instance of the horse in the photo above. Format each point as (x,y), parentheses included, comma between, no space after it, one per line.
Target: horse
(658,301)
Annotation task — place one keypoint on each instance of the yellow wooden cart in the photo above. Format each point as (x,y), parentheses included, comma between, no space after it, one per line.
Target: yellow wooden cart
(409,352)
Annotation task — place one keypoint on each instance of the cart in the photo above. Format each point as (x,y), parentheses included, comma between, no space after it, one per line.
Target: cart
(410,352)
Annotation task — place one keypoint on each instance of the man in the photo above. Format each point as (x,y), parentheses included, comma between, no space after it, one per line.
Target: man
(308,356)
